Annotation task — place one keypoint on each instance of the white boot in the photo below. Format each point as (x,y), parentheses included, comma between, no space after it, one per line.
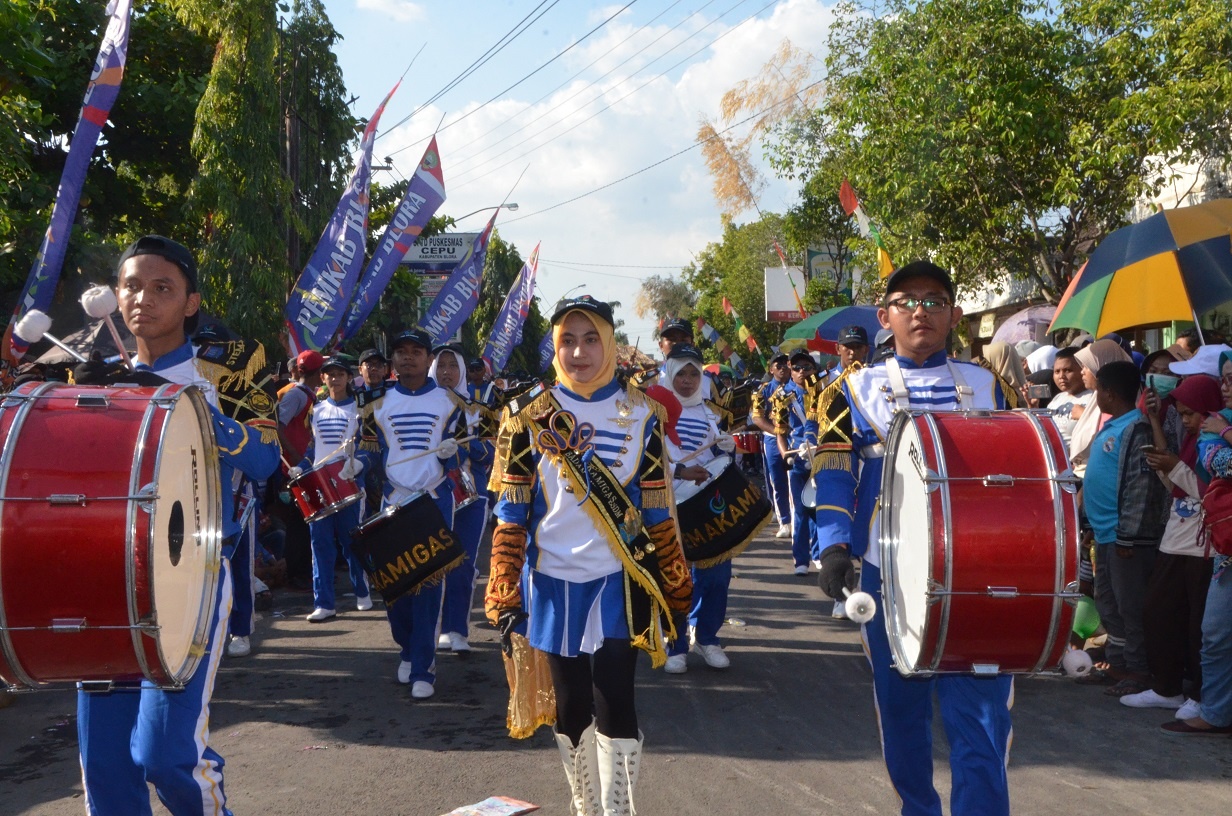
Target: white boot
(619,762)
(582,773)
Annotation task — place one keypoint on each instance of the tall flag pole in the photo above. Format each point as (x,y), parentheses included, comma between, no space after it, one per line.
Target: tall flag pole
(790,281)
(460,295)
(743,333)
(101,94)
(851,206)
(506,332)
(424,195)
(720,345)
(321,297)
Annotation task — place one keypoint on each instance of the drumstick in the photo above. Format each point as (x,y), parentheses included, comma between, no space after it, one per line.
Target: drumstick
(100,302)
(860,606)
(422,454)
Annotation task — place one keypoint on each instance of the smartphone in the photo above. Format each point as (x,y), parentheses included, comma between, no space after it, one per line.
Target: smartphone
(1147,448)
(1039,392)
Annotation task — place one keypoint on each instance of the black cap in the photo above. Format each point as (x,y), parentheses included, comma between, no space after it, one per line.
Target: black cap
(778,358)
(372,354)
(920,269)
(853,336)
(476,364)
(586,304)
(685,351)
(417,336)
(802,354)
(677,324)
(342,362)
(449,347)
(167,249)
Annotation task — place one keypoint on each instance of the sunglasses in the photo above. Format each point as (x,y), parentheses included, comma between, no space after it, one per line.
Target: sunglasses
(804,367)
(910,304)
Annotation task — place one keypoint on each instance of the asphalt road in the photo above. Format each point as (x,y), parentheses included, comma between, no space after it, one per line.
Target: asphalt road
(315,722)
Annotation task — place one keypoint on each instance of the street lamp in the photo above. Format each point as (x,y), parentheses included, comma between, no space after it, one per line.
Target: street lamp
(511,206)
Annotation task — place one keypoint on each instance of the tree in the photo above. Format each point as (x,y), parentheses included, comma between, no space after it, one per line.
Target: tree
(660,296)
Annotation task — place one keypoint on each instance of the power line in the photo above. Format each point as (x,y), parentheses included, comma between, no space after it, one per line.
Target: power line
(615,266)
(696,144)
(589,271)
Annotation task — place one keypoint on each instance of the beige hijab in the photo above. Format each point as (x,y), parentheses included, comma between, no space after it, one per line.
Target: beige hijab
(1095,356)
(1004,360)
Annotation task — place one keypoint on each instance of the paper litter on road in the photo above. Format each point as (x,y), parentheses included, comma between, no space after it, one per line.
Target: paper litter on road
(495,806)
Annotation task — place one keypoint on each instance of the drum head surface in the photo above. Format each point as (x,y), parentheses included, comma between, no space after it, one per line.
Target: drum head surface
(716,466)
(184,521)
(907,528)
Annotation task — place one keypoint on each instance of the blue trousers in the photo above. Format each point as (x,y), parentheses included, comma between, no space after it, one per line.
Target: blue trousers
(1217,646)
(243,593)
(134,736)
(709,609)
(327,535)
(468,524)
(803,519)
(976,714)
(413,617)
(776,478)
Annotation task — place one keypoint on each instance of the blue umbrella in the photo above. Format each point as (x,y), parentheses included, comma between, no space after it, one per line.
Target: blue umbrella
(821,329)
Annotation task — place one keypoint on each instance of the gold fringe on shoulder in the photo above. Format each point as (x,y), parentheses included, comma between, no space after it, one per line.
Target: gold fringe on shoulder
(638,398)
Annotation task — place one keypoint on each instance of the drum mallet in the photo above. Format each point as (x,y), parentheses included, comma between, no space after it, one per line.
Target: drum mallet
(860,606)
(100,302)
(33,327)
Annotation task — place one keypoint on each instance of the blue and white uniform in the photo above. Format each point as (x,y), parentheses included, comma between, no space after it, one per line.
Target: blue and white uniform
(133,736)
(403,423)
(776,468)
(484,398)
(976,711)
(333,425)
(789,418)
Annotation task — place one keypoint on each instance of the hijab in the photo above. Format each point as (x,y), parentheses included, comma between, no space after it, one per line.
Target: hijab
(460,387)
(607,368)
(1042,359)
(1095,356)
(1004,360)
(673,367)
(1100,353)
(1200,394)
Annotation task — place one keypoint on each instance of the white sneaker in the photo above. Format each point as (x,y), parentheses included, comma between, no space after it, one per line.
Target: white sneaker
(784,531)
(442,641)
(317,615)
(1189,710)
(676,664)
(815,564)
(422,690)
(839,612)
(239,647)
(404,672)
(1149,699)
(802,569)
(713,654)
(458,642)
(363,604)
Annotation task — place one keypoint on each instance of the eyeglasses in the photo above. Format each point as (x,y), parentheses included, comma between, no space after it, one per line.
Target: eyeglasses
(1226,380)
(804,367)
(910,304)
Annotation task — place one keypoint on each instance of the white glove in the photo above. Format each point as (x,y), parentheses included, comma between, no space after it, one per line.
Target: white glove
(294,472)
(351,468)
(726,443)
(447,448)
(805,452)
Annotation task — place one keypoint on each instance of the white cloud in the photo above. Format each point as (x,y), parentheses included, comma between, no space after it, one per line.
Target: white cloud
(402,11)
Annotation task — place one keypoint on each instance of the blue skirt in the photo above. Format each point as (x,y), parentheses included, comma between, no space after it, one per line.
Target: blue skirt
(569,619)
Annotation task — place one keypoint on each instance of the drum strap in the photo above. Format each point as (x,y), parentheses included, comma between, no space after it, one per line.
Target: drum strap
(902,397)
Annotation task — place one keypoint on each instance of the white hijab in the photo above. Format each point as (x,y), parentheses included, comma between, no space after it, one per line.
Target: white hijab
(1042,359)
(460,388)
(671,368)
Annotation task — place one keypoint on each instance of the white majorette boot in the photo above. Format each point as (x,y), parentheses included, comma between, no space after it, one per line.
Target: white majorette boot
(619,762)
(582,773)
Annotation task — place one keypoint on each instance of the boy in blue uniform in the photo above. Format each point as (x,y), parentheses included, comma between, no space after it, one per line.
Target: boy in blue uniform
(776,468)
(791,436)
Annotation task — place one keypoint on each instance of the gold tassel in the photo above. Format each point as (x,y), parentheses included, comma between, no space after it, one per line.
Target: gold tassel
(832,460)
(532,699)
(656,499)
(518,494)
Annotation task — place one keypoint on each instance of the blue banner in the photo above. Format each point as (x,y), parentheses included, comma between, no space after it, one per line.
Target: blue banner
(322,294)
(100,95)
(424,195)
(460,295)
(506,332)
(546,352)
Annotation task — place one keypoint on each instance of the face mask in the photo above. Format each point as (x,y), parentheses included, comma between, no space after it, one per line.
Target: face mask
(1162,383)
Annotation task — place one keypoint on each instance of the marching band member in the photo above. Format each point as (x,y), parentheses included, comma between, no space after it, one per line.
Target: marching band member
(483,394)
(413,416)
(334,427)
(699,436)
(788,416)
(132,736)
(919,308)
(776,468)
(584,508)
(468,521)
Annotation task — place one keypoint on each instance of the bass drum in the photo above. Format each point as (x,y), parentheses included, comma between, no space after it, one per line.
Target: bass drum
(110,533)
(979,542)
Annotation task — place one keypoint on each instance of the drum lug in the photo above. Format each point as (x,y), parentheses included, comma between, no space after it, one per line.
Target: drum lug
(998,480)
(1068,481)
(1002,592)
(146,497)
(97,686)
(93,401)
(68,625)
(985,669)
(936,591)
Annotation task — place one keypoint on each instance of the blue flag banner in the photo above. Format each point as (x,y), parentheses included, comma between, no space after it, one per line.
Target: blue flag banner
(546,353)
(460,295)
(507,330)
(322,295)
(100,95)
(424,195)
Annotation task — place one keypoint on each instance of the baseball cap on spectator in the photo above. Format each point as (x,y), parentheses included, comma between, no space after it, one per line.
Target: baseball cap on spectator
(677,324)
(1205,361)
(309,361)
(372,354)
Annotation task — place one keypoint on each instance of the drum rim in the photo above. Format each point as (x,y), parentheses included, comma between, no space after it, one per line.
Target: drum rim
(330,509)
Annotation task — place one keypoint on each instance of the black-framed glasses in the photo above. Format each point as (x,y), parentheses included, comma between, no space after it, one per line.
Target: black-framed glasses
(805,367)
(910,304)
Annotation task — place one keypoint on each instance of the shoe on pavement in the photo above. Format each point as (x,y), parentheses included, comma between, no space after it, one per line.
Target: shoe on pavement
(363,604)
(239,647)
(442,641)
(1189,710)
(458,642)
(1182,728)
(1150,699)
(676,664)
(317,615)
(422,690)
(784,531)
(839,612)
(802,569)
(713,654)
(404,672)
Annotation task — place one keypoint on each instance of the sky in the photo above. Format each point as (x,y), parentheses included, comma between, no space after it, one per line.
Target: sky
(551,129)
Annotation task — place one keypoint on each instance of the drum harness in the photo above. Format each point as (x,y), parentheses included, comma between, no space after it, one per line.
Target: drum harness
(902,397)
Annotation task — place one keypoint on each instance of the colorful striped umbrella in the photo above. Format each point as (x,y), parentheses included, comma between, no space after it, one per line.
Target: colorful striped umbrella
(1174,265)
(821,329)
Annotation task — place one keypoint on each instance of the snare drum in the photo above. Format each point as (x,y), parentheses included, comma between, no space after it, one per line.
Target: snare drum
(719,517)
(748,442)
(321,491)
(406,547)
(110,533)
(979,542)
(464,492)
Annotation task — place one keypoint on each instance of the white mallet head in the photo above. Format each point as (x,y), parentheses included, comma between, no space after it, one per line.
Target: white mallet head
(98,301)
(1076,663)
(32,326)
(860,607)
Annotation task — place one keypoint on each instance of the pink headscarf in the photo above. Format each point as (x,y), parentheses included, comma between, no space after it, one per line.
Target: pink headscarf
(1200,394)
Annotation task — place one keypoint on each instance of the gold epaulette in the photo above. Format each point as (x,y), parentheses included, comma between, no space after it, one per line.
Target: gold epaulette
(828,456)
(723,414)
(245,387)
(639,398)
